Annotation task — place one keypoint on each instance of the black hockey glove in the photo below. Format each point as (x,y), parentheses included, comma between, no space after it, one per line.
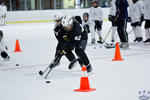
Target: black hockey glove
(111,17)
(67,46)
(61,52)
(98,25)
(118,12)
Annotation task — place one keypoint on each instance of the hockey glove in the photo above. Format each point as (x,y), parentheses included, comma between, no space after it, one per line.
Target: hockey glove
(98,25)
(62,52)
(111,17)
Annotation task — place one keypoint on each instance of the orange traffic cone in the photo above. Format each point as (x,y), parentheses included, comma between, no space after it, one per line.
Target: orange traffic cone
(117,53)
(17,47)
(84,82)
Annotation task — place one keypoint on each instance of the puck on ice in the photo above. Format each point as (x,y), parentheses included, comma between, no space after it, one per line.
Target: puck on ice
(47,82)
(17,64)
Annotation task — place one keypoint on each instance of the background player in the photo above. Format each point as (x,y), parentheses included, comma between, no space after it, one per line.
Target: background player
(96,20)
(3,48)
(136,14)
(3,12)
(111,18)
(147,20)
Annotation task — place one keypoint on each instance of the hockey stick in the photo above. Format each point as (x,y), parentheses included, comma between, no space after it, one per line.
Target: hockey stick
(51,66)
(128,33)
(111,27)
(108,46)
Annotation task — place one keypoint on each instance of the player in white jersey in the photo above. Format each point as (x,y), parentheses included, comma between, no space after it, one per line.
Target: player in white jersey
(3,48)
(147,19)
(111,18)
(96,20)
(136,14)
(3,12)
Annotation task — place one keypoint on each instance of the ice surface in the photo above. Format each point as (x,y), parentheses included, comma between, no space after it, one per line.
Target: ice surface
(113,80)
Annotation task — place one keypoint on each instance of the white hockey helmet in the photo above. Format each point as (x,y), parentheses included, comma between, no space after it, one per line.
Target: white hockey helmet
(67,21)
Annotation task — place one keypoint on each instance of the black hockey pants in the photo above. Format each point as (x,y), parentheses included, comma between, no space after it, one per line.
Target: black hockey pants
(121,28)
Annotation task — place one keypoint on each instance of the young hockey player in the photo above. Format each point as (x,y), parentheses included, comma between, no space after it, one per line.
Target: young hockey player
(136,14)
(121,21)
(3,48)
(61,49)
(96,20)
(77,38)
(147,20)
(84,35)
(111,18)
(3,12)
(85,23)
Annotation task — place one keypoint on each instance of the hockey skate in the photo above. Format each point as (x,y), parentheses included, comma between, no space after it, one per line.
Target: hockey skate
(147,41)
(92,41)
(135,40)
(100,40)
(124,46)
(89,68)
(72,64)
(140,39)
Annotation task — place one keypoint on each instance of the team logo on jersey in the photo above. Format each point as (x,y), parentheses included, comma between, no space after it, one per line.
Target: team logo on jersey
(144,95)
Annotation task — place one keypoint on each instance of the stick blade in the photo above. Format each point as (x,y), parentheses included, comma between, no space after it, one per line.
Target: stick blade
(109,46)
(40,73)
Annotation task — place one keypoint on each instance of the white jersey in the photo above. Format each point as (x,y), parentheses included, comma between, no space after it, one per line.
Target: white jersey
(113,8)
(96,14)
(146,9)
(3,10)
(85,23)
(136,11)
(2,46)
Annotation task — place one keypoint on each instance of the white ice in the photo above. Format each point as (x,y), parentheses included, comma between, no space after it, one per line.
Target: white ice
(113,80)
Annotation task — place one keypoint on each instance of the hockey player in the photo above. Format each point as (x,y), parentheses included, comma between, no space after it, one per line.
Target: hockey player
(85,23)
(84,35)
(77,38)
(147,20)
(111,18)
(121,21)
(3,48)
(61,49)
(136,14)
(96,20)
(3,12)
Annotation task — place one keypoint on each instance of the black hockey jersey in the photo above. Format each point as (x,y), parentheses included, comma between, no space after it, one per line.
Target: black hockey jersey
(69,39)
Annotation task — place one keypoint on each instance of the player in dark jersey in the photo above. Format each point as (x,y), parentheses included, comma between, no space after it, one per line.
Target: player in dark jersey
(77,38)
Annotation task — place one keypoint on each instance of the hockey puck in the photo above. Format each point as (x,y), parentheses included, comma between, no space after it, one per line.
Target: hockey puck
(47,82)
(17,64)
(94,47)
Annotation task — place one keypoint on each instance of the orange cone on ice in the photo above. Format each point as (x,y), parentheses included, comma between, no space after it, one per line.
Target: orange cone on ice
(117,53)
(84,82)
(17,47)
